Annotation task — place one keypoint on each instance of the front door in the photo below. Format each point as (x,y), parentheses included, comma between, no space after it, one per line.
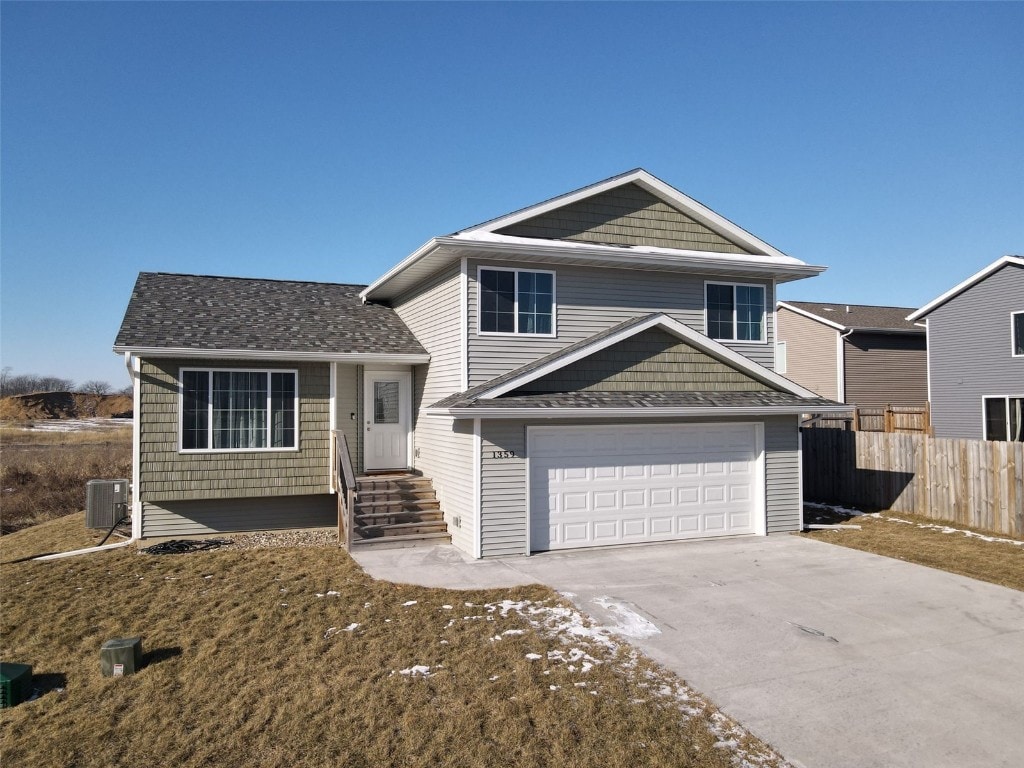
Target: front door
(386,408)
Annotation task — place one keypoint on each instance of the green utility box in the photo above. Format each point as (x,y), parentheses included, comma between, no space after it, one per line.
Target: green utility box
(121,656)
(15,683)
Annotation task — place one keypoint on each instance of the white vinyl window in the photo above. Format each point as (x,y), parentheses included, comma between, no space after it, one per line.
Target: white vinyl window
(516,301)
(239,410)
(735,312)
(1017,333)
(1004,418)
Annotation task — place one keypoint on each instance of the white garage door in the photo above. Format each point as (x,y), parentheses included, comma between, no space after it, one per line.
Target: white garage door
(592,486)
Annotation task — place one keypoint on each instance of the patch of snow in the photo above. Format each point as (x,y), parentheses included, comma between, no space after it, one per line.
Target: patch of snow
(446,607)
(627,621)
(407,603)
(330,631)
(329,593)
(949,529)
(417,670)
(834,508)
(351,627)
(553,687)
(534,656)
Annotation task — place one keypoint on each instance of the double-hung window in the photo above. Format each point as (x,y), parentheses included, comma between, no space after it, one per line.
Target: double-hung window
(1004,418)
(735,312)
(238,410)
(1017,333)
(517,301)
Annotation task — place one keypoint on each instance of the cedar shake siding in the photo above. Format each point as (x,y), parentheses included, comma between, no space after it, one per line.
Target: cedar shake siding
(626,215)
(886,368)
(504,526)
(589,300)
(168,475)
(651,361)
(810,353)
(969,354)
(349,392)
(442,448)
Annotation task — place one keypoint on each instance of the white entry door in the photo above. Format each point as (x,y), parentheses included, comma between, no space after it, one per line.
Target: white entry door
(387,404)
(592,486)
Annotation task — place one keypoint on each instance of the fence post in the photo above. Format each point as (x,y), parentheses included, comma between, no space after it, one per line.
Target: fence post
(887,418)
(856,419)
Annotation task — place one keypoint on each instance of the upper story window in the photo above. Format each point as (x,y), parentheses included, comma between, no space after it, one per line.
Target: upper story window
(517,301)
(238,410)
(735,312)
(1017,333)
(1004,418)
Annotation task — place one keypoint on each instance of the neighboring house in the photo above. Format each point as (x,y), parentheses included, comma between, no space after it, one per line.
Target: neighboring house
(976,354)
(595,369)
(854,353)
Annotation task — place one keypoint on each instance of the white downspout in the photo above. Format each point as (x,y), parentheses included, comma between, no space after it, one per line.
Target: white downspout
(841,365)
(134,369)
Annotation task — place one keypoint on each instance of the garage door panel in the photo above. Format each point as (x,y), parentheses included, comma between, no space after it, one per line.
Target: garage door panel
(654,483)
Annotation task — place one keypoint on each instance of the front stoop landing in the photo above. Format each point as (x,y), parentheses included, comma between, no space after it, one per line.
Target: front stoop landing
(397,510)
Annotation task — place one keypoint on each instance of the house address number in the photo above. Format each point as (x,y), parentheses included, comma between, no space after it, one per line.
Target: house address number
(503,455)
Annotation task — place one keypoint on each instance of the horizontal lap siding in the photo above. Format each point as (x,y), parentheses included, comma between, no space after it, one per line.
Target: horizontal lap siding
(194,518)
(810,353)
(589,300)
(348,391)
(970,354)
(442,449)
(782,473)
(886,369)
(166,474)
(503,528)
(503,482)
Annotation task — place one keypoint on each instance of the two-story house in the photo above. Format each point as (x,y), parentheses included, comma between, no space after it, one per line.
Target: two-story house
(595,369)
(976,354)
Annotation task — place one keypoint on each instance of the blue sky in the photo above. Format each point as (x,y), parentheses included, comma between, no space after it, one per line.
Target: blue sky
(325,141)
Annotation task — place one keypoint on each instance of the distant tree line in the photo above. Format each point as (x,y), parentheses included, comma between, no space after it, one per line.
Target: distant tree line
(29,383)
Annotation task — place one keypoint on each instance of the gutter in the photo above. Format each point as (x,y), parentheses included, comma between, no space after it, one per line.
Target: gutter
(635,413)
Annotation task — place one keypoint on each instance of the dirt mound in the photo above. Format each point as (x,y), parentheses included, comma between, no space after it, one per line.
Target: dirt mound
(64,405)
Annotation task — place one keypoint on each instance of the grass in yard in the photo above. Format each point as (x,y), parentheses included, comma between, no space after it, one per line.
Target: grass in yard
(993,561)
(295,657)
(43,474)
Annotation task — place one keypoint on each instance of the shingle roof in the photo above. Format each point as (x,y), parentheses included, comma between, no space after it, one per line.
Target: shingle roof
(860,316)
(202,312)
(599,400)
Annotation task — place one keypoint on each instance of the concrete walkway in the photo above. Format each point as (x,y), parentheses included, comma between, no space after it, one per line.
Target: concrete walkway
(836,657)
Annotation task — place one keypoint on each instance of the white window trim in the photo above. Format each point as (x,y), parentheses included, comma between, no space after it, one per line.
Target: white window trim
(1013,341)
(764,311)
(209,425)
(517,333)
(1006,415)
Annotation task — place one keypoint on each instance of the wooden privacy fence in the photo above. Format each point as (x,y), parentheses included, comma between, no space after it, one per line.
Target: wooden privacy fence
(973,482)
(888,418)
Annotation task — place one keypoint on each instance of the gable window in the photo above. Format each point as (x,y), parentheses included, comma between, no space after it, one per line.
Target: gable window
(735,312)
(517,301)
(1004,418)
(1017,333)
(238,410)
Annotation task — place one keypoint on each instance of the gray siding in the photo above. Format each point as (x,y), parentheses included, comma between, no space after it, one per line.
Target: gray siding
(590,300)
(651,361)
(970,355)
(626,215)
(195,518)
(886,368)
(166,474)
(782,473)
(810,353)
(503,482)
(349,390)
(442,448)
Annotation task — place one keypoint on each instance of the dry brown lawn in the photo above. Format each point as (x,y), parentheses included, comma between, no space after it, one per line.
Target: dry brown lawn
(993,561)
(295,657)
(43,474)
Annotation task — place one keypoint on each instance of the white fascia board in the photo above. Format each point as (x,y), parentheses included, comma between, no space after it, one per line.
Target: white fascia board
(250,354)
(629,413)
(423,251)
(682,331)
(959,288)
(656,187)
(811,316)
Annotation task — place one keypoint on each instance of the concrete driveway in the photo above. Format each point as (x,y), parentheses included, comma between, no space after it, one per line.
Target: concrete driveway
(835,657)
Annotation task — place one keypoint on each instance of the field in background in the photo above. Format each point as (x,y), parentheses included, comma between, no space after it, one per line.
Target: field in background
(43,473)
